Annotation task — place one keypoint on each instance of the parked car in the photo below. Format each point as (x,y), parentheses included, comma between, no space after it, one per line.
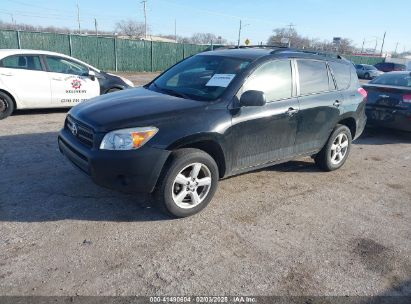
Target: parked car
(367,71)
(390,67)
(389,101)
(31,79)
(215,115)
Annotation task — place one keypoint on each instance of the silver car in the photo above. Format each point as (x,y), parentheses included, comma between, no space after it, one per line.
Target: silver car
(367,71)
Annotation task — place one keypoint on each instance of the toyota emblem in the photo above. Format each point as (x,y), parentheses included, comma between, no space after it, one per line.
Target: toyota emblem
(74,129)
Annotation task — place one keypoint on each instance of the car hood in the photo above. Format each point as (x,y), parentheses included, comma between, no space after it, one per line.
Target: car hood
(131,108)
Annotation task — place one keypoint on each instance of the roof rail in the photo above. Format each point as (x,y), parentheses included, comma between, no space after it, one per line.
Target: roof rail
(325,54)
(262,46)
(281,48)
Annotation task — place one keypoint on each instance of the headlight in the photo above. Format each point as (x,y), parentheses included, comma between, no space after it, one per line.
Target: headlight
(128,82)
(127,139)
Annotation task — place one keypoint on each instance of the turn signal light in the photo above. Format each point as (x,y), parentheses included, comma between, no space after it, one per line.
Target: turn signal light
(139,138)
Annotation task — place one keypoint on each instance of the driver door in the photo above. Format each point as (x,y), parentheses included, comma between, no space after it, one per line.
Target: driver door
(69,82)
(263,134)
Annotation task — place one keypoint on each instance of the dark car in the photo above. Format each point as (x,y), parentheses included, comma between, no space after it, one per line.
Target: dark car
(390,66)
(389,101)
(214,115)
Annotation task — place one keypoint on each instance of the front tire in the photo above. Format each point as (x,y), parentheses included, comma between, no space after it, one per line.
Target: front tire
(335,152)
(6,105)
(188,183)
(367,76)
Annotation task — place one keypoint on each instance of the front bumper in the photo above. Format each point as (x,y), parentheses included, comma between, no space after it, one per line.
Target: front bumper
(125,171)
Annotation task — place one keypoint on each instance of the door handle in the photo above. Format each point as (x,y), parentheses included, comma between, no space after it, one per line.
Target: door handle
(291,111)
(6,74)
(57,79)
(337,103)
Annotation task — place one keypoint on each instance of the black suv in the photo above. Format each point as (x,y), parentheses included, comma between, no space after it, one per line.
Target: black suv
(214,115)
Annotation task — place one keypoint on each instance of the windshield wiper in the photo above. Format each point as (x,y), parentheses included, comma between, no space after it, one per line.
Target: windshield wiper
(171,92)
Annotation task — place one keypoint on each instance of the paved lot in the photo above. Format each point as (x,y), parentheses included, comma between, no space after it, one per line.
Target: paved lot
(288,229)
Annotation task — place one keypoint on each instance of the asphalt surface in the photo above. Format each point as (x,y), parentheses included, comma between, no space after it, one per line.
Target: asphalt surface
(286,230)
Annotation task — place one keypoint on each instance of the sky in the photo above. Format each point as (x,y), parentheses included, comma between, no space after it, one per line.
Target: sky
(322,19)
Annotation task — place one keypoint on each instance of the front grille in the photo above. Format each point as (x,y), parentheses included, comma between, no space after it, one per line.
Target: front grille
(84,134)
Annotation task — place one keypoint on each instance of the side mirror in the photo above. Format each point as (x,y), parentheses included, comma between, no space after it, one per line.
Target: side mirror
(92,75)
(252,98)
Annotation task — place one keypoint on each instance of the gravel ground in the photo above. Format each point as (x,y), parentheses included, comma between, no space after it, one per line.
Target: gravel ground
(286,230)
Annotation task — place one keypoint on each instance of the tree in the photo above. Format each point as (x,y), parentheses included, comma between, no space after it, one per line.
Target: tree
(130,28)
(297,41)
(206,38)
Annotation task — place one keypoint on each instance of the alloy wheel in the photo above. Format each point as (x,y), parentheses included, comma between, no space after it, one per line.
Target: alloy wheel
(191,186)
(339,148)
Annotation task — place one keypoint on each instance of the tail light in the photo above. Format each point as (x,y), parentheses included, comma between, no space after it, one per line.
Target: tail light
(363,93)
(406,98)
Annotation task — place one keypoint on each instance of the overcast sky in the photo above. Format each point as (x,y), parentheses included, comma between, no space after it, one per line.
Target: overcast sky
(323,19)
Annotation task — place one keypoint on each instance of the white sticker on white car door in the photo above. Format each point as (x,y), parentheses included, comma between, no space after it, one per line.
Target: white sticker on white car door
(220,80)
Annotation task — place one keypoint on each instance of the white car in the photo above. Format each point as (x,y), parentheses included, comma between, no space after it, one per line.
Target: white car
(31,79)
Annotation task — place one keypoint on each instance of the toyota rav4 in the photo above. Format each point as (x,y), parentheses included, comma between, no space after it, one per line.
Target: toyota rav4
(215,115)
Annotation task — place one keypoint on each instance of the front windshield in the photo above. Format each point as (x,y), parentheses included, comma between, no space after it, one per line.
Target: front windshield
(201,77)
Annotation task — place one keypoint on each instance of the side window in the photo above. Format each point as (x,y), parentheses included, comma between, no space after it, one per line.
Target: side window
(273,78)
(313,76)
(65,66)
(342,74)
(25,62)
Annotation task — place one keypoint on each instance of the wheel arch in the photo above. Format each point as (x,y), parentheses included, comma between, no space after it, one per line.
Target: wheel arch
(113,87)
(11,96)
(350,123)
(209,143)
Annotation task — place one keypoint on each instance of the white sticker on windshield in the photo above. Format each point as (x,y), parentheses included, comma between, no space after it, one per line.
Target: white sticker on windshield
(220,80)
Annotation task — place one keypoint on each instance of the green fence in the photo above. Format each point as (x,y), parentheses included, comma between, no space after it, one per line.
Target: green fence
(106,53)
(113,54)
(365,59)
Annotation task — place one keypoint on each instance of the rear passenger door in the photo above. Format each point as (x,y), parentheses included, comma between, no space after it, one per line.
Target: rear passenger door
(24,77)
(319,105)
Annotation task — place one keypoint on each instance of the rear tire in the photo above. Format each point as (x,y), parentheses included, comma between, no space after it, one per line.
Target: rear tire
(367,76)
(335,152)
(6,105)
(188,183)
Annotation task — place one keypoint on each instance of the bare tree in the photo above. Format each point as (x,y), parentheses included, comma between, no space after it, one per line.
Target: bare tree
(206,38)
(46,29)
(130,28)
(298,41)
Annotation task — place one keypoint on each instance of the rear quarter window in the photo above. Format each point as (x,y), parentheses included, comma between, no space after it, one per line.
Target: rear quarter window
(342,74)
(313,77)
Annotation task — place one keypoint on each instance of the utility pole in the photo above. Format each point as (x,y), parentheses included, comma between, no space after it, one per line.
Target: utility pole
(290,28)
(78,18)
(375,48)
(396,47)
(239,35)
(95,26)
(382,45)
(175,30)
(362,48)
(145,18)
